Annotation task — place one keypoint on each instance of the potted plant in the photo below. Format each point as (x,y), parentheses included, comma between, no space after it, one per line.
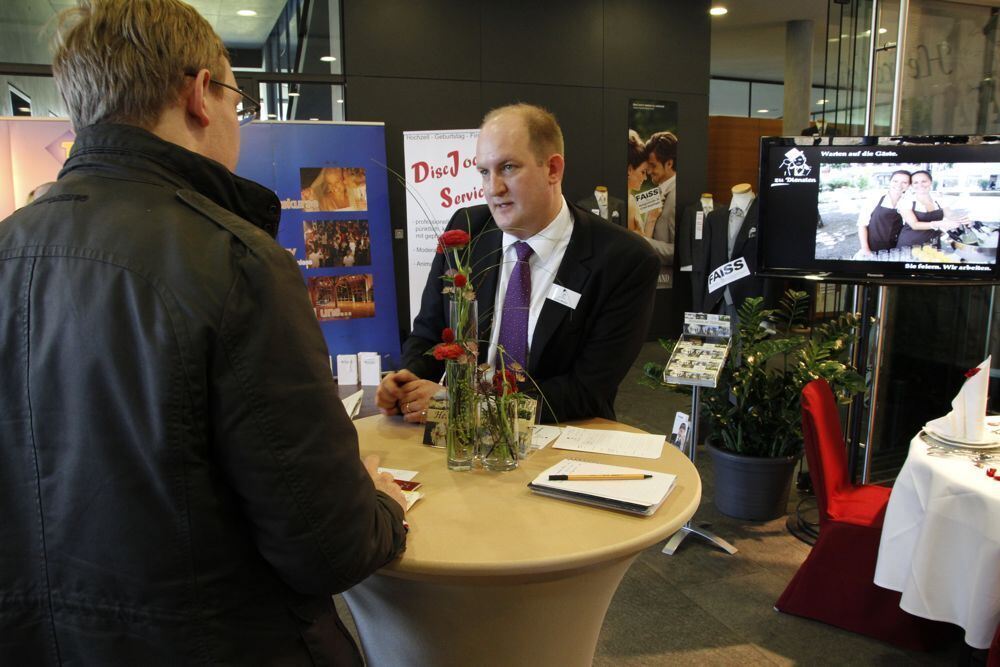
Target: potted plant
(754,415)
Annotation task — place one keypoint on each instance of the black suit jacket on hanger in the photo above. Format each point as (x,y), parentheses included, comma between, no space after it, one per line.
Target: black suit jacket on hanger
(578,356)
(617,211)
(717,245)
(690,251)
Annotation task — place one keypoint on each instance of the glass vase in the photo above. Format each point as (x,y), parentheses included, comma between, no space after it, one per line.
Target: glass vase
(461,431)
(460,381)
(498,433)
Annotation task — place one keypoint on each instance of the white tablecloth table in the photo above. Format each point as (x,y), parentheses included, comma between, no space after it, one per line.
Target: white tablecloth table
(941,543)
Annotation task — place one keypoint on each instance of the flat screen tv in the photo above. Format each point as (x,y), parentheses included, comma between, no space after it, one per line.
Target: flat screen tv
(880,209)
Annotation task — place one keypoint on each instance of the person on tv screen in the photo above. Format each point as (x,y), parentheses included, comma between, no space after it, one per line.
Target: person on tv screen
(879,225)
(925,218)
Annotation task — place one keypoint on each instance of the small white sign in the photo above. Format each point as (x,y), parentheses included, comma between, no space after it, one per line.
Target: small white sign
(347,370)
(649,200)
(371,368)
(565,296)
(728,273)
(699,225)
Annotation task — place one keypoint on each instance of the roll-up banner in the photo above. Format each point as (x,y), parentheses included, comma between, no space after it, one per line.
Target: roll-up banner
(331,180)
(441,177)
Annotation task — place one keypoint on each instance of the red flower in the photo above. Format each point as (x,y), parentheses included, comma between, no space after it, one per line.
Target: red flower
(972,371)
(448,335)
(450,351)
(504,383)
(453,238)
(460,280)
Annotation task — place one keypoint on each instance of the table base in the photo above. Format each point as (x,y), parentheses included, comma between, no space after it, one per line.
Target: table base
(539,620)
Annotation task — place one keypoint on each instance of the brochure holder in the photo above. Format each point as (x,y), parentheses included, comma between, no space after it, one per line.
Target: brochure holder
(697,361)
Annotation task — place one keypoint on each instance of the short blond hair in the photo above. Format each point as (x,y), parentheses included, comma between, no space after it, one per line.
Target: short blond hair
(544,134)
(124,61)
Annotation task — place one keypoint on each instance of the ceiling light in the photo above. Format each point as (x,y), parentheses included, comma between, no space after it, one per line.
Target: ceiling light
(246,12)
(24,109)
(823,101)
(882,31)
(718,10)
(762,110)
(314,119)
(340,101)
(293,94)
(327,59)
(271,115)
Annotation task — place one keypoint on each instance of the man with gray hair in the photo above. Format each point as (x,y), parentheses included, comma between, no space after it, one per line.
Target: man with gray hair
(180,483)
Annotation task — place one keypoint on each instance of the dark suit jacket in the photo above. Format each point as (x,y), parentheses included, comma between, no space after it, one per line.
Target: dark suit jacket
(716,241)
(578,356)
(617,212)
(690,251)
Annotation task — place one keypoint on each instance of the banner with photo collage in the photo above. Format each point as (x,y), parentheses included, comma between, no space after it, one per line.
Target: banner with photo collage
(331,180)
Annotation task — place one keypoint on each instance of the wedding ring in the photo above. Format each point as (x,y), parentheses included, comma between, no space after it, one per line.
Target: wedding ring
(423,413)
(406,408)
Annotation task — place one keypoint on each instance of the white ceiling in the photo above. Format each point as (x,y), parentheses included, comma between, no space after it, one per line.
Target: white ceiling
(24,24)
(749,41)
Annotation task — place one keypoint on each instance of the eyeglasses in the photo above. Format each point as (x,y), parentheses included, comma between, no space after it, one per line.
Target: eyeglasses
(248,108)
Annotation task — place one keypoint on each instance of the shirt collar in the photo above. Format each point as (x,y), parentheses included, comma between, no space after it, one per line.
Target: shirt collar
(544,242)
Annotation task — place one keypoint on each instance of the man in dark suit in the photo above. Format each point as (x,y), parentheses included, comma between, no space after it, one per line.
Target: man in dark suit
(591,283)
(719,253)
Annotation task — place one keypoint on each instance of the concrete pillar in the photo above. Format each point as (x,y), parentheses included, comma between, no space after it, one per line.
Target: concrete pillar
(798,76)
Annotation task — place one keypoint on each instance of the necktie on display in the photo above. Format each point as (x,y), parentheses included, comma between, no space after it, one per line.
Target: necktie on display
(736,216)
(514,320)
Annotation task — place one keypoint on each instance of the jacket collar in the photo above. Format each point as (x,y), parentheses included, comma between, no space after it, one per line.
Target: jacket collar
(147,156)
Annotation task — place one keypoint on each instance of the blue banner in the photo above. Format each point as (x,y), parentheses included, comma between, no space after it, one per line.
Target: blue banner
(332,183)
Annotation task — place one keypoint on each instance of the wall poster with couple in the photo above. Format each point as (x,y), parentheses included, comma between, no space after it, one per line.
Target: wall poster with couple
(652,179)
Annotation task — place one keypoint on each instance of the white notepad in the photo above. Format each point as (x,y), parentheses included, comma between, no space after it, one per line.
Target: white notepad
(637,496)
(619,443)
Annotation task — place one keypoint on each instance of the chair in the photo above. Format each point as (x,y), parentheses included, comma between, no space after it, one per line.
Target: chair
(835,584)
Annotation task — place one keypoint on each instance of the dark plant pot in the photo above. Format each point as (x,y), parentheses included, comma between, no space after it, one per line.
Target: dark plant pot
(752,487)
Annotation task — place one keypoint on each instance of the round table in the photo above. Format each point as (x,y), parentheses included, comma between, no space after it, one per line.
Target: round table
(494,574)
(940,542)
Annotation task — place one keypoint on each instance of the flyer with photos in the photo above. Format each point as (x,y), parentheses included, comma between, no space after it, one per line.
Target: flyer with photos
(700,352)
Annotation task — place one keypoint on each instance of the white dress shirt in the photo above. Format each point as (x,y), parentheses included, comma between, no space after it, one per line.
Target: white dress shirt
(549,246)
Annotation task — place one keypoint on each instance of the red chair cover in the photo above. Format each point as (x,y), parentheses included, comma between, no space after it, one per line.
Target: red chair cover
(835,584)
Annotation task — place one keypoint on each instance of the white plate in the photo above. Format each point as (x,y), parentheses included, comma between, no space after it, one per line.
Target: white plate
(991,440)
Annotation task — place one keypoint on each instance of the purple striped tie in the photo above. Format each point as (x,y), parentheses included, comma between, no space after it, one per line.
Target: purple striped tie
(514,320)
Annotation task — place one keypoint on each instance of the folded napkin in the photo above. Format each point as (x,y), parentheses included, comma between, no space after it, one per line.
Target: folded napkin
(967,418)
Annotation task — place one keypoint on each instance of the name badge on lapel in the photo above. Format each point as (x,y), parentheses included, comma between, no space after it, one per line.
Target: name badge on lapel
(565,296)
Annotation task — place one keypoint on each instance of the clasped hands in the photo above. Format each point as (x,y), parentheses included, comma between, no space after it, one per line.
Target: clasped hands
(402,392)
